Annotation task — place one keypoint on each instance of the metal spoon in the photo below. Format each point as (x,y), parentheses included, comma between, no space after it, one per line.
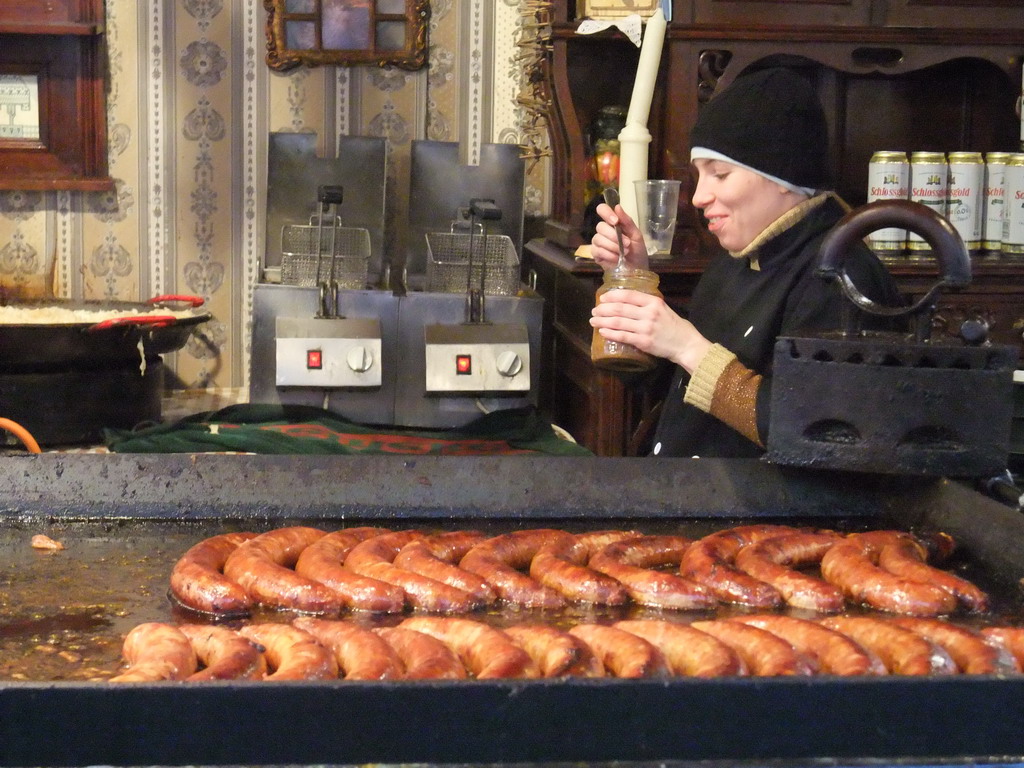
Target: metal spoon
(611,197)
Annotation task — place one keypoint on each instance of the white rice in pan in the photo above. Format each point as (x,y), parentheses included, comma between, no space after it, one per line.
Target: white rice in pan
(15,315)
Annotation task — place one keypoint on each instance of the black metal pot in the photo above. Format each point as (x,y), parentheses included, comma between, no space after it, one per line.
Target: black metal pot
(46,347)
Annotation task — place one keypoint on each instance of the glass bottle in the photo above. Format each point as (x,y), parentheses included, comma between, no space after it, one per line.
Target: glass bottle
(615,355)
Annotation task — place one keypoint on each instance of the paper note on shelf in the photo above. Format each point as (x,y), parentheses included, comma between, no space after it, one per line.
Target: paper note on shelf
(631,26)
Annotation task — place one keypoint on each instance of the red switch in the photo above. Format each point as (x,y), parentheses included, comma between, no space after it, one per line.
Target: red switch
(314,359)
(463,365)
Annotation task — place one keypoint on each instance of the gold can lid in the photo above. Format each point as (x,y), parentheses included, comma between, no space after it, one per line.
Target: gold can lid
(928,157)
(889,156)
(1017,158)
(997,157)
(965,157)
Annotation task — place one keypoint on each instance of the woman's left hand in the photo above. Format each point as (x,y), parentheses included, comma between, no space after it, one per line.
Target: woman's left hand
(650,325)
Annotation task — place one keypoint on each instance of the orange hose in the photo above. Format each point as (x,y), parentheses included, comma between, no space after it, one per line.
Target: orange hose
(21,433)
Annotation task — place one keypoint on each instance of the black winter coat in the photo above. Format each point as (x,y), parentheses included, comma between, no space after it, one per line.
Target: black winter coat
(745,310)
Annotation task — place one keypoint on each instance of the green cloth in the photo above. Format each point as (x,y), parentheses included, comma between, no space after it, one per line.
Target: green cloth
(280,429)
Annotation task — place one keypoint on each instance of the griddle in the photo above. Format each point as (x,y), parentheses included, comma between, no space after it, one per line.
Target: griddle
(145,505)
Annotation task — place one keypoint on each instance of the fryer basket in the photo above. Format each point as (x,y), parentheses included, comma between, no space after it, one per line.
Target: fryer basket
(301,255)
(448,263)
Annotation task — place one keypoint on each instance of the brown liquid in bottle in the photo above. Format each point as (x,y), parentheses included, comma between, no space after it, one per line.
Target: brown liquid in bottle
(614,355)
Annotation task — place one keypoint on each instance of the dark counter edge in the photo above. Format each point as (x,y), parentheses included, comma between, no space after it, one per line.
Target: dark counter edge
(969,719)
(219,485)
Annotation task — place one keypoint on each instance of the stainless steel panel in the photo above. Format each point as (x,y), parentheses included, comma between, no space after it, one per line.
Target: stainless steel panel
(440,185)
(477,358)
(347,352)
(371,405)
(294,172)
(415,406)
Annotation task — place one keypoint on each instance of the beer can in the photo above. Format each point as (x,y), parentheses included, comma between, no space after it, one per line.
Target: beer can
(964,196)
(928,175)
(995,200)
(1013,221)
(888,179)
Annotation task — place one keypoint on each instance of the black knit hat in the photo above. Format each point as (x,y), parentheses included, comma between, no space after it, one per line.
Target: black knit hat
(770,120)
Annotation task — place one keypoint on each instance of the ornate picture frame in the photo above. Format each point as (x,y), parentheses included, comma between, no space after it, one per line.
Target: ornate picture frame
(316,33)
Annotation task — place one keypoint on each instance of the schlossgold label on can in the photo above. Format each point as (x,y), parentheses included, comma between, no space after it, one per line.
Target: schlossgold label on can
(1013,221)
(964,201)
(995,200)
(888,179)
(928,176)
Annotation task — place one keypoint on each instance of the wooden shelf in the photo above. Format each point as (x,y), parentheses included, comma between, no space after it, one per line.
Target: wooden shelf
(50,28)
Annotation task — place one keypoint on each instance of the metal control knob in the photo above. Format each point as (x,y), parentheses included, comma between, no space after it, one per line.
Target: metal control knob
(509,364)
(359,359)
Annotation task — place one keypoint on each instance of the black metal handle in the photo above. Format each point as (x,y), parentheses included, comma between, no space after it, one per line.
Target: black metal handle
(946,243)
(330,194)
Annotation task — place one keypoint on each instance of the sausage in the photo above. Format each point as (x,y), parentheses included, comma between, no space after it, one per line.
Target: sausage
(688,651)
(851,564)
(263,566)
(323,560)
(374,558)
(765,654)
(485,651)
(156,651)
(835,653)
(775,560)
(361,653)
(556,653)
(291,653)
(1009,639)
(562,565)
(709,561)
(500,559)
(424,657)
(622,653)
(906,558)
(903,652)
(436,557)
(224,654)
(198,581)
(632,562)
(968,648)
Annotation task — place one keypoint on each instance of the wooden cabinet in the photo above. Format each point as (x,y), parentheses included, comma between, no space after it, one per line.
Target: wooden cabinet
(939,75)
(53,95)
(776,12)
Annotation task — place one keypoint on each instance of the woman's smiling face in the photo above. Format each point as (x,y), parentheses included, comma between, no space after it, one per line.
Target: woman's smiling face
(738,203)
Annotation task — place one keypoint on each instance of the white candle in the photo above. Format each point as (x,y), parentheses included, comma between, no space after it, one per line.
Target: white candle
(647,69)
(634,139)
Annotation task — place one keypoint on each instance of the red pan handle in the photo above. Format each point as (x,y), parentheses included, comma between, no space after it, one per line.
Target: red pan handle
(195,301)
(153,321)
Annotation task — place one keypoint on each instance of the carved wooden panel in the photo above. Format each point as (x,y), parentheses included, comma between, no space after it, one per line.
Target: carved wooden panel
(776,12)
(983,14)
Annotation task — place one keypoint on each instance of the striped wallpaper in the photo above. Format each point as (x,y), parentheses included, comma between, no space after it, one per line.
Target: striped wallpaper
(190,106)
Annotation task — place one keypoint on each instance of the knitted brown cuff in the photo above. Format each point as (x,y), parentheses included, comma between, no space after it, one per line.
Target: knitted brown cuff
(704,379)
(735,400)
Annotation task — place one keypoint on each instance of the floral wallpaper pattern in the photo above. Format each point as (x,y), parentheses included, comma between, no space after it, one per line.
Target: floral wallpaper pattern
(190,105)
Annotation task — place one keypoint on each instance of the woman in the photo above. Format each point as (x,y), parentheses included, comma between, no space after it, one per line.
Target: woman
(760,152)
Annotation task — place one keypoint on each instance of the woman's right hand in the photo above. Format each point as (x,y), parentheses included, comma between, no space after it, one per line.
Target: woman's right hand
(604,247)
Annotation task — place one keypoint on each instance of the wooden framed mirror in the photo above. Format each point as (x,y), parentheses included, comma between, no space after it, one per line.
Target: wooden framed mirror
(321,32)
(52,96)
